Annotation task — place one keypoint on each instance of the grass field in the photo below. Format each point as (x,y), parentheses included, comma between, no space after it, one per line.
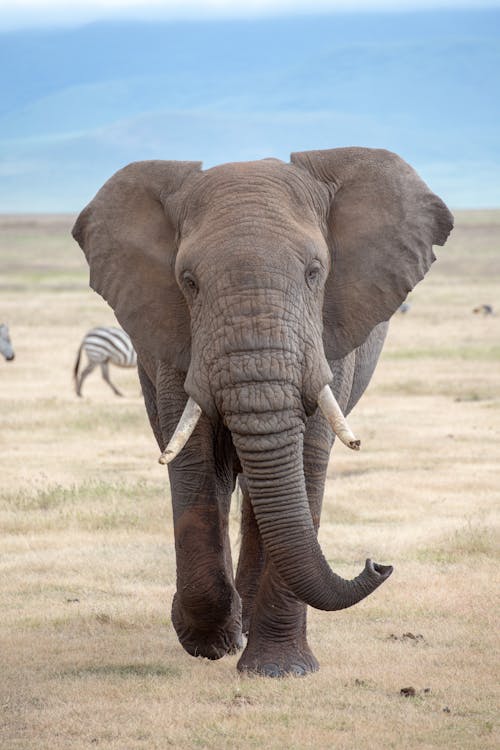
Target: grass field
(88,656)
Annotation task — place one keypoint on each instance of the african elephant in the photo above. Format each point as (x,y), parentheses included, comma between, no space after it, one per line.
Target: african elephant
(249,287)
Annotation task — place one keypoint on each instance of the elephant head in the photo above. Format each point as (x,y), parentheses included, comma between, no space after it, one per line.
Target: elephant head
(251,278)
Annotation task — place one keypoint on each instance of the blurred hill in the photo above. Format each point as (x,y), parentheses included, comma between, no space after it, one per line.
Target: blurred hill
(79,103)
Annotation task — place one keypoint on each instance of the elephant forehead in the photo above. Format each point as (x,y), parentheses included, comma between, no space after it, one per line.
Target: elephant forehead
(252,213)
(263,189)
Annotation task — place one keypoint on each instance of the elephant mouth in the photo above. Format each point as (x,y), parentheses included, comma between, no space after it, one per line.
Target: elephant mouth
(192,412)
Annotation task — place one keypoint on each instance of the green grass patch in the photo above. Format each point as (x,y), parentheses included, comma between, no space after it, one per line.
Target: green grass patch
(82,415)
(57,495)
(90,506)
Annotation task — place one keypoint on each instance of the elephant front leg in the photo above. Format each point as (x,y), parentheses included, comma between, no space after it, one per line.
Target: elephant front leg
(277,642)
(206,609)
(273,619)
(277,632)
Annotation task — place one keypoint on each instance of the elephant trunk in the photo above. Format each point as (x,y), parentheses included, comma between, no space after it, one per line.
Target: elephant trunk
(271,459)
(263,381)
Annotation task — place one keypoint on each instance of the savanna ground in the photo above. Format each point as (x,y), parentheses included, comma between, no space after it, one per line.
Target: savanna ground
(88,656)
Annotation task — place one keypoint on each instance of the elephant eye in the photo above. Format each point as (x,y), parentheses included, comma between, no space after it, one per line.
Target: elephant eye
(314,273)
(189,283)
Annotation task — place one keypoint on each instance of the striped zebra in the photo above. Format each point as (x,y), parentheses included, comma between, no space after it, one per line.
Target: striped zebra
(104,345)
(5,343)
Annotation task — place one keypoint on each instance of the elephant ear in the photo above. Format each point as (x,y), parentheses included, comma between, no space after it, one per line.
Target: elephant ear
(129,241)
(382,223)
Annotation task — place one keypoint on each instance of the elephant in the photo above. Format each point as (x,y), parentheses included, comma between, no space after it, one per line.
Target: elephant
(257,296)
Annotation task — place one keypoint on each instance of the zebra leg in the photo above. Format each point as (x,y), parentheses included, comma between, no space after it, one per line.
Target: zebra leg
(105,374)
(86,371)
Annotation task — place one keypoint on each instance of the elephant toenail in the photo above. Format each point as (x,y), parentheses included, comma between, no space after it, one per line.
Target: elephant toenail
(272,670)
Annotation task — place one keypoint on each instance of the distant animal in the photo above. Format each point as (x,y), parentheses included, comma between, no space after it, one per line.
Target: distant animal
(404,307)
(5,343)
(104,345)
(484,309)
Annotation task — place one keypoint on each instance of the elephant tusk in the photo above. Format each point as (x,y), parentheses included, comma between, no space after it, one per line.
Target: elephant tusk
(332,411)
(183,431)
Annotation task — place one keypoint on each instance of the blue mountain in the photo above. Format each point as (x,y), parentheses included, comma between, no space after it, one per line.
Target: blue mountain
(79,103)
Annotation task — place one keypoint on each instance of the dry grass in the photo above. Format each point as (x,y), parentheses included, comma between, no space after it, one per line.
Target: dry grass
(88,657)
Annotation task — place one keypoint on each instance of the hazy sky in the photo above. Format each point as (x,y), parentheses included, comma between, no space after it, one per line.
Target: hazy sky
(23,13)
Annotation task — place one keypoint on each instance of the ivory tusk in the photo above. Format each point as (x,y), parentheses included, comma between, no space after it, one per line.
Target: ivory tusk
(332,411)
(183,431)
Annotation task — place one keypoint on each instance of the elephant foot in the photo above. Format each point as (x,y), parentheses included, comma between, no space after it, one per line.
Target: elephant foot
(278,661)
(212,641)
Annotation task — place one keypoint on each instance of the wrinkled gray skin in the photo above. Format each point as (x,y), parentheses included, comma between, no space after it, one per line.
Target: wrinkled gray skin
(5,343)
(249,287)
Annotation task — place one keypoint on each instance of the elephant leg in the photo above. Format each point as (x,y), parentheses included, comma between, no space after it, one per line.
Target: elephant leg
(277,640)
(277,644)
(105,375)
(206,609)
(251,557)
(149,395)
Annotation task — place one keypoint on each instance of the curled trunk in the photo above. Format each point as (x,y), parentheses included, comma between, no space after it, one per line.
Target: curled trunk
(261,394)
(272,464)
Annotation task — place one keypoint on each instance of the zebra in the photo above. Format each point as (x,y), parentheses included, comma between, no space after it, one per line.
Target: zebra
(5,343)
(104,345)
